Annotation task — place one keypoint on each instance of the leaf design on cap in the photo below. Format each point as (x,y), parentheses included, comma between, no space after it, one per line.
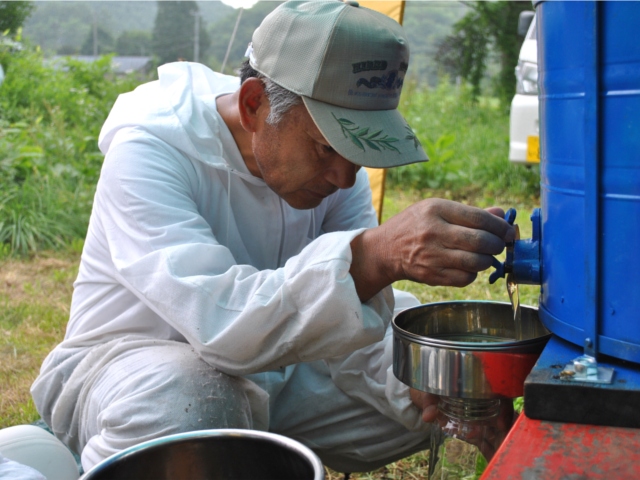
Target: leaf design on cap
(361,137)
(412,136)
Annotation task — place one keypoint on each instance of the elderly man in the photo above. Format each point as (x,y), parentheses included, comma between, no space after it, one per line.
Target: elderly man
(234,275)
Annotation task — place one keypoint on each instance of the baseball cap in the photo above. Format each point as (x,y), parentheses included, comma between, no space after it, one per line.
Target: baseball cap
(348,64)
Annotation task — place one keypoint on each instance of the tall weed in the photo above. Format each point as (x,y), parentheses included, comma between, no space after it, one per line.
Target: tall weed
(467,142)
(50,119)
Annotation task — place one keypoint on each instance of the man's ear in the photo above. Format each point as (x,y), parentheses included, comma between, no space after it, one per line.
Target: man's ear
(253,104)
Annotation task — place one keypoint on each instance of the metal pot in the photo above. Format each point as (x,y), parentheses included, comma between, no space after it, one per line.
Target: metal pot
(213,454)
(466,349)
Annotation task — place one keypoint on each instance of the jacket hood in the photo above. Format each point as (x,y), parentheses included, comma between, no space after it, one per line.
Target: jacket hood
(180,109)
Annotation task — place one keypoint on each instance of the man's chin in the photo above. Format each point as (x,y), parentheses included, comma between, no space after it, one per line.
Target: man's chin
(303,199)
(303,204)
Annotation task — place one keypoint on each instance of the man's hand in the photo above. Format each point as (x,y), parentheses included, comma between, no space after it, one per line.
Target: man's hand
(487,439)
(435,241)
(427,403)
(487,435)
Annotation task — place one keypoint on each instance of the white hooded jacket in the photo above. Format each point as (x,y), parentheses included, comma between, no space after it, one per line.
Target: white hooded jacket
(185,244)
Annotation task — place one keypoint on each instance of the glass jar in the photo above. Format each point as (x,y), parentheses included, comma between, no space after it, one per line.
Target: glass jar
(466,434)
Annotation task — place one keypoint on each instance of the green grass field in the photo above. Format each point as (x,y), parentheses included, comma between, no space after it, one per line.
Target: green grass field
(51,163)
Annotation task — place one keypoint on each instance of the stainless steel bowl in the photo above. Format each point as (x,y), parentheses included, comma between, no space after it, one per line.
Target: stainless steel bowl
(466,349)
(212,454)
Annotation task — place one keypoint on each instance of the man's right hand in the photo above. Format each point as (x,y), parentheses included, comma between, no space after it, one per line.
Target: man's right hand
(427,403)
(435,242)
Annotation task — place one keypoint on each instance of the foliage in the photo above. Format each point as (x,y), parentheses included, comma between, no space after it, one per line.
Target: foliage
(59,27)
(465,52)
(134,42)
(489,26)
(518,404)
(426,24)
(62,27)
(222,29)
(13,14)
(457,459)
(104,42)
(49,159)
(467,143)
(41,213)
(173,35)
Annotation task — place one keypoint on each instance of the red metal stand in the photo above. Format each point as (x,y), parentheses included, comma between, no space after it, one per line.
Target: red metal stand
(539,449)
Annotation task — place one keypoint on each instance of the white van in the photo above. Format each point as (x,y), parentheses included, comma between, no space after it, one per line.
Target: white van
(524,136)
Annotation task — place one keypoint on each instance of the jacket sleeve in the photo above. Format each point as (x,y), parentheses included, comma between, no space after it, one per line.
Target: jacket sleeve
(240,319)
(367,375)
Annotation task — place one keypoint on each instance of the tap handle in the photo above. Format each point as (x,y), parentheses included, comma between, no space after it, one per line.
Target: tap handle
(510,216)
(502,268)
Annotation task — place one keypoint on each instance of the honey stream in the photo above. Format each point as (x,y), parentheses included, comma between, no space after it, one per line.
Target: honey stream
(514,296)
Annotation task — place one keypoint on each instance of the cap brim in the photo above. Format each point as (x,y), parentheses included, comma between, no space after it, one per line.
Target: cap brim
(376,139)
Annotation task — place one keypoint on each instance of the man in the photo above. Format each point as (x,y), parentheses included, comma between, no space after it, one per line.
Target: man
(233,274)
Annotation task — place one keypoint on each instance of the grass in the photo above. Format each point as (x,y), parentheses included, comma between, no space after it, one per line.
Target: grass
(35,296)
(49,158)
(467,144)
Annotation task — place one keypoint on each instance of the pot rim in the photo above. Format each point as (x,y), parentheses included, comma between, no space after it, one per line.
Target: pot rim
(425,340)
(281,440)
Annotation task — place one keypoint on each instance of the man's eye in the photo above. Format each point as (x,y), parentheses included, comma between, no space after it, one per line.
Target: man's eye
(327,149)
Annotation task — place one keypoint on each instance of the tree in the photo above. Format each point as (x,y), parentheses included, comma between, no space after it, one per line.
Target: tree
(223,29)
(174,32)
(134,42)
(13,14)
(464,52)
(103,39)
(59,27)
(489,27)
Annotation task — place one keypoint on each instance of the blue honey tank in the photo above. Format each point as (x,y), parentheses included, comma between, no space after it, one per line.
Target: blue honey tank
(589,81)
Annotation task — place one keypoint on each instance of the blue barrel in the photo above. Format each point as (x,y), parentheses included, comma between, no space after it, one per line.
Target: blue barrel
(589,78)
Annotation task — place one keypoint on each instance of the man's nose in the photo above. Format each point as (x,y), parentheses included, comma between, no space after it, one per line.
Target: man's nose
(342,173)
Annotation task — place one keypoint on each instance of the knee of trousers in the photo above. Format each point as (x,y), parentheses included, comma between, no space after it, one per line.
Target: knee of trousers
(206,398)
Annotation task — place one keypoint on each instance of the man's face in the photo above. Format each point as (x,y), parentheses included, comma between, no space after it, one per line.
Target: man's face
(297,162)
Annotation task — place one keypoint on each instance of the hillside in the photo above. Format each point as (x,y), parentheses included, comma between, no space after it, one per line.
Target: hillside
(63,27)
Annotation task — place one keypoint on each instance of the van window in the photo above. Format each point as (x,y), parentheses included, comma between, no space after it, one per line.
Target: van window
(531,34)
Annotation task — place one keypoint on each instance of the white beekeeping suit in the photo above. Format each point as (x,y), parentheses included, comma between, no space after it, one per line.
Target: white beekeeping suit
(185,247)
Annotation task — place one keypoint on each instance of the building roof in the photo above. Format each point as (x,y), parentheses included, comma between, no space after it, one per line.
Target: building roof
(118,64)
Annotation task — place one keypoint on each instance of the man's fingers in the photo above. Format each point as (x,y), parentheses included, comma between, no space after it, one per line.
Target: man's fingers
(450,277)
(426,402)
(476,218)
(429,413)
(472,240)
(461,270)
(497,211)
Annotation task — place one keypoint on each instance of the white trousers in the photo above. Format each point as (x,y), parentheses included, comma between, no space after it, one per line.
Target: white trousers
(130,391)
(133,389)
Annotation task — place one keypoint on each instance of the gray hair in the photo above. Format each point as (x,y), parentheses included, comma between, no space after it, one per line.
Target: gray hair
(280,99)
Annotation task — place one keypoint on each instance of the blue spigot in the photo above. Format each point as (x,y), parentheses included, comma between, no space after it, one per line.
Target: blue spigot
(523,256)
